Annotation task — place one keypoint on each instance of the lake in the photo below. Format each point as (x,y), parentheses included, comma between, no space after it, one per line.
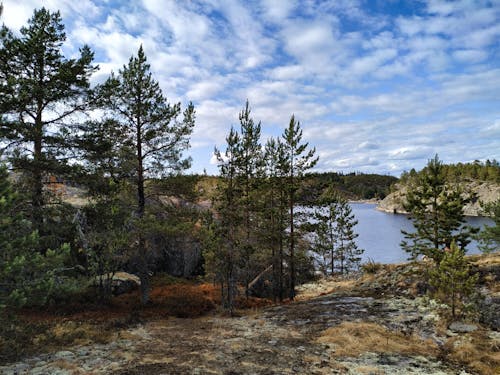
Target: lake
(380,233)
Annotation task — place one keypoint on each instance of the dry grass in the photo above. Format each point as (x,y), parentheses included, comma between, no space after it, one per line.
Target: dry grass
(485,259)
(369,370)
(326,286)
(352,339)
(478,351)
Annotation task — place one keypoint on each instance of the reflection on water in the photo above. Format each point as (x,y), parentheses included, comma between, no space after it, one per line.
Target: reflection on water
(380,233)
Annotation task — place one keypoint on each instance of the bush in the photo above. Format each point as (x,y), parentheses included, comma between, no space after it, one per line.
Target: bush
(371,267)
(453,280)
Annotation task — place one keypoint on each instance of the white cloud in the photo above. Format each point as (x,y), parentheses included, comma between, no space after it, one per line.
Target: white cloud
(372,92)
(470,55)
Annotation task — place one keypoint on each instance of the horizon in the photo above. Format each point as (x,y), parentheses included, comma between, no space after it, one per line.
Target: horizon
(378,86)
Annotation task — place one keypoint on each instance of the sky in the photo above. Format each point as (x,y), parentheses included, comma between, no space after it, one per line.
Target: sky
(379,86)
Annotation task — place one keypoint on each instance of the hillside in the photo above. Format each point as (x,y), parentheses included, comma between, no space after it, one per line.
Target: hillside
(486,192)
(482,179)
(379,322)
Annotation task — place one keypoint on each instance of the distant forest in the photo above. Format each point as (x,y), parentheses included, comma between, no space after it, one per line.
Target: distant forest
(353,185)
(477,170)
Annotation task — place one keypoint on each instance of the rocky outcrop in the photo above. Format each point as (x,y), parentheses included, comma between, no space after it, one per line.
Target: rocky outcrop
(377,323)
(486,192)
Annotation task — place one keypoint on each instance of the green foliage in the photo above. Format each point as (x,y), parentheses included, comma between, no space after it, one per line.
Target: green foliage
(489,237)
(151,143)
(226,234)
(104,240)
(40,92)
(436,209)
(334,236)
(482,171)
(146,120)
(274,212)
(298,159)
(351,185)
(453,280)
(27,277)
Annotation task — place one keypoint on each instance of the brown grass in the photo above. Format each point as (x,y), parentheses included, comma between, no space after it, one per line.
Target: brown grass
(353,338)
(485,259)
(477,351)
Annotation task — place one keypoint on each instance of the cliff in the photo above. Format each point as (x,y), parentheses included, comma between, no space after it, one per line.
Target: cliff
(486,192)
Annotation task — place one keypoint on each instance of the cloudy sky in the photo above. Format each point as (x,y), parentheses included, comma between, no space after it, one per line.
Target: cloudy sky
(378,85)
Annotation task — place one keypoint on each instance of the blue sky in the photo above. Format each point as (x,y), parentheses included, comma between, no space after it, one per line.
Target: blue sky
(378,85)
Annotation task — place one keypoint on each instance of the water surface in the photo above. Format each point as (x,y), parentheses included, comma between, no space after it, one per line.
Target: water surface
(380,233)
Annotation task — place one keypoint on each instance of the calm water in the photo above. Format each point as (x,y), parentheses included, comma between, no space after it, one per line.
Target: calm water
(380,233)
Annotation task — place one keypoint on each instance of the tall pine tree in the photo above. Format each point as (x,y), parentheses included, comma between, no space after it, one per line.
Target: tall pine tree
(299,159)
(226,252)
(151,126)
(249,173)
(40,92)
(275,209)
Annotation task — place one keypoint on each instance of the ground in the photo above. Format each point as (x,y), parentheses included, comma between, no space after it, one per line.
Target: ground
(377,323)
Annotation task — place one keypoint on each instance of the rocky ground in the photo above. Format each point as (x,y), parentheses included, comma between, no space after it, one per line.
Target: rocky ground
(374,324)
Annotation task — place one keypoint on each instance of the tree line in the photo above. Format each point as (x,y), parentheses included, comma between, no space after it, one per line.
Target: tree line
(119,140)
(488,170)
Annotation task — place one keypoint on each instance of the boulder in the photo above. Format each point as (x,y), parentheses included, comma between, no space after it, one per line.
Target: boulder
(121,282)
(459,327)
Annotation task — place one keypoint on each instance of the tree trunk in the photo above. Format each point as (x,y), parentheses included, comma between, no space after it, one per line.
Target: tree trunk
(292,247)
(37,175)
(141,208)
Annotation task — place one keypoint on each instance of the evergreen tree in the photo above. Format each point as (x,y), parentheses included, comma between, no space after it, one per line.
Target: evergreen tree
(298,160)
(275,206)
(226,236)
(490,235)
(324,238)
(436,209)
(26,275)
(452,279)
(347,252)
(150,125)
(40,92)
(249,173)
(334,236)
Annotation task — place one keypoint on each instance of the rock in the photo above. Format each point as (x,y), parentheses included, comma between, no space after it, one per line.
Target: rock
(64,354)
(489,308)
(460,327)
(124,282)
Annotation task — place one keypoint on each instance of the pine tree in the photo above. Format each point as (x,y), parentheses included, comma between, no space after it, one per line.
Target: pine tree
(275,206)
(40,92)
(324,238)
(249,171)
(436,209)
(453,280)
(298,160)
(26,275)
(347,252)
(226,231)
(490,235)
(150,125)
(334,236)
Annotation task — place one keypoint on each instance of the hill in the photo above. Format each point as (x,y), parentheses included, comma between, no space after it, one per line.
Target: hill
(482,179)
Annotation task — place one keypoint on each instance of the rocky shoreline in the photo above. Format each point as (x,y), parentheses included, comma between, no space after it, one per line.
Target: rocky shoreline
(486,192)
